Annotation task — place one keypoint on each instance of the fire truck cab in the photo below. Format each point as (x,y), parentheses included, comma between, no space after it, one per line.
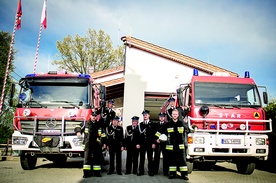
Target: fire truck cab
(227,120)
(49,107)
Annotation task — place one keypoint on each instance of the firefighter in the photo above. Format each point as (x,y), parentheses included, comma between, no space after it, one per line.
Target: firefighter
(132,145)
(175,132)
(161,147)
(107,114)
(92,143)
(182,111)
(147,131)
(114,144)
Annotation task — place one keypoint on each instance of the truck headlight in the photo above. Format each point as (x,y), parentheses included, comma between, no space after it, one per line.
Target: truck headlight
(77,141)
(198,140)
(260,141)
(19,140)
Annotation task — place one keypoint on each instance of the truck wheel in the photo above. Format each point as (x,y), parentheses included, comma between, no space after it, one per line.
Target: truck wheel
(190,166)
(59,160)
(27,161)
(245,167)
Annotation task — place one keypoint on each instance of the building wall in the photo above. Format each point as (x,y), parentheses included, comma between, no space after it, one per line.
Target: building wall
(146,72)
(109,77)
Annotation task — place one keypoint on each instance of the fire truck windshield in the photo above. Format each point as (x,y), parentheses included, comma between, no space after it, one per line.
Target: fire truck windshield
(245,95)
(57,92)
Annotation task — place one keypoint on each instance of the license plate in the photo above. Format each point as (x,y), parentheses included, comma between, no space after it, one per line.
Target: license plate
(231,141)
(50,132)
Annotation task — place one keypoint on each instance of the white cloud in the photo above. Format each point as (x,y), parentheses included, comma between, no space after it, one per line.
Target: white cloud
(233,35)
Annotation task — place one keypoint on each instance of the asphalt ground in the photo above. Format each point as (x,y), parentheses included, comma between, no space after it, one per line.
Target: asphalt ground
(46,171)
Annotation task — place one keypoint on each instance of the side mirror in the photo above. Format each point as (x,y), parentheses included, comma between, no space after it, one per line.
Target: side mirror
(265,98)
(12,94)
(102,92)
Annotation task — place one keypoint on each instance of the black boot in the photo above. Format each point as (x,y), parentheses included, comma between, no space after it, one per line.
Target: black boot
(97,173)
(172,175)
(86,174)
(184,176)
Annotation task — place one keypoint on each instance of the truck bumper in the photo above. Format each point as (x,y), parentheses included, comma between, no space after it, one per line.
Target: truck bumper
(67,144)
(218,145)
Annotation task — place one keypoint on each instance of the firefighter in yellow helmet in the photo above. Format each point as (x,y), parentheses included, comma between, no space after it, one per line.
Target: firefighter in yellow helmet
(92,143)
(175,132)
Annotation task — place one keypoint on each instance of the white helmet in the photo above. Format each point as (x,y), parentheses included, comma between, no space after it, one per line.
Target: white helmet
(163,137)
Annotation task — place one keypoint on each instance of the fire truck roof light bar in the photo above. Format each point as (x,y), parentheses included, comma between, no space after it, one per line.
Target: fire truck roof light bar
(247,74)
(30,75)
(55,73)
(84,76)
(195,72)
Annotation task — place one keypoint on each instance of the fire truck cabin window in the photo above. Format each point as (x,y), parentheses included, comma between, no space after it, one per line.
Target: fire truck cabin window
(226,94)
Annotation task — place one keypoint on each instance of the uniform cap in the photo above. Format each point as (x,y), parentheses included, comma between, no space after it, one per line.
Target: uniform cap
(171,99)
(116,118)
(135,118)
(111,101)
(94,114)
(146,112)
(161,114)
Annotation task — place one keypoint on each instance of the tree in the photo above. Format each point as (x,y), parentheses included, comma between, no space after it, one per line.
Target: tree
(271,114)
(6,116)
(94,50)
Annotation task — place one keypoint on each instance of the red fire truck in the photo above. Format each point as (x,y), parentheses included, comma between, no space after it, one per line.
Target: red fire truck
(49,107)
(227,121)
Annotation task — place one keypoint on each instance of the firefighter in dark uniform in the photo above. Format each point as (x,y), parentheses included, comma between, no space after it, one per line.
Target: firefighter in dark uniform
(161,147)
(114,144)
(132,145)
(171,107)
(92,143)
(182,111)
(147,131)
(107,114)
(175,132)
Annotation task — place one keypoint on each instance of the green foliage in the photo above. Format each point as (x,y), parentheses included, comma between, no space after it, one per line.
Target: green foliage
(6,116)
(271,112)
(271,109)
(6,134)
(94,50)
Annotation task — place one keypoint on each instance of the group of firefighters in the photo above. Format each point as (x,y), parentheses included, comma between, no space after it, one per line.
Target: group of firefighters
(140,140)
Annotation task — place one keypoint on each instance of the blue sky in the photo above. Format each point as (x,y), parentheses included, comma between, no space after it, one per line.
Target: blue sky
(235,35)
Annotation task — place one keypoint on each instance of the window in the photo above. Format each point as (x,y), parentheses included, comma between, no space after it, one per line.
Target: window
(226,94)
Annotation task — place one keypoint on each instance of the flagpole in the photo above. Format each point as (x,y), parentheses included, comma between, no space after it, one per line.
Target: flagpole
(37,47)
(8,62)
(42,24)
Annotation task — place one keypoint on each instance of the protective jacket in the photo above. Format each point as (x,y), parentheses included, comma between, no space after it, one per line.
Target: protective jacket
(92,145)
(175,131)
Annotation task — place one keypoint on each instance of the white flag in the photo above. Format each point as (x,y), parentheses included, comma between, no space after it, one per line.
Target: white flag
(43,15)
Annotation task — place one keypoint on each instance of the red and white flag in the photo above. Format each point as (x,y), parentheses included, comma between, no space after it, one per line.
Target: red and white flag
(18,15)
(44,15)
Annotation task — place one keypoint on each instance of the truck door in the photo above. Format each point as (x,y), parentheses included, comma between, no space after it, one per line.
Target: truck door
(183,95)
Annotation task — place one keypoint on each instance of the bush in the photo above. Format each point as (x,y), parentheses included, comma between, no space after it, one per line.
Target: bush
(5,133)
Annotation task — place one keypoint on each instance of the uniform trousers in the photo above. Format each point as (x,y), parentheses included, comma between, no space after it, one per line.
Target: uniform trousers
(146,149)
(132,159)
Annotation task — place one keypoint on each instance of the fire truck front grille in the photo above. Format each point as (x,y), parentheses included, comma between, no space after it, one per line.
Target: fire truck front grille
(41,125)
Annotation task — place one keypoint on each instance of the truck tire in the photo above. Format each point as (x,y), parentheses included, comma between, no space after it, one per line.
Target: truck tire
(245,167)
(190,166)
(27,161)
